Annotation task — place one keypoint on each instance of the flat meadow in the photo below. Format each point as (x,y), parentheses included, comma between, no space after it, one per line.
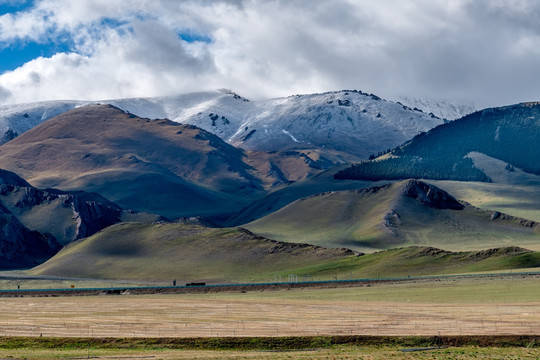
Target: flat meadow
(424,308)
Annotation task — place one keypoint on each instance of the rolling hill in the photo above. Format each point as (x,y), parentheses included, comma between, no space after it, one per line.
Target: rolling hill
(400,214)
(186,252)
(277,199)
(195,253)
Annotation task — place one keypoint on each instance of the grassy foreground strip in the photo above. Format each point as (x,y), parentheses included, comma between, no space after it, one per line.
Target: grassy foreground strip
(267,343)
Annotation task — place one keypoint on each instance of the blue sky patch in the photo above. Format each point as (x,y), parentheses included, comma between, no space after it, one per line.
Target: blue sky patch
(194,37)
(16,55)
(14,6)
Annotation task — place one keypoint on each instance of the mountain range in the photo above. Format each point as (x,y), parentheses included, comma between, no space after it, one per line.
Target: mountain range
(344,125)
(156,166)
(291,170)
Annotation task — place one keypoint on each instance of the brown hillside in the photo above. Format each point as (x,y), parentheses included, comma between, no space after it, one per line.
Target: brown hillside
(156,166)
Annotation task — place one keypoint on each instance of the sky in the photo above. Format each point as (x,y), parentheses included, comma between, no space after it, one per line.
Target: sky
(485,52)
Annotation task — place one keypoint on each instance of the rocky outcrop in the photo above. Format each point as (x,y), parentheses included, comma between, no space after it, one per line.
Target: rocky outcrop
(89,215)
(430,195)
(392,219)
(22,247)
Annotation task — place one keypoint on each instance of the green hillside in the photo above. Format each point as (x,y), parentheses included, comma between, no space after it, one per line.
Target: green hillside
(422,261)
(391,216)
(185,252)
(194,253)
(281,197)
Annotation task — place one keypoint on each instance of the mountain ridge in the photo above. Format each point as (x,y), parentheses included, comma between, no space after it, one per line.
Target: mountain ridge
(342,123)
(155,166)
(510,133)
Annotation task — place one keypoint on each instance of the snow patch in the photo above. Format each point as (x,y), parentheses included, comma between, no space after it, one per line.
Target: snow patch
(292,137)
(444,109)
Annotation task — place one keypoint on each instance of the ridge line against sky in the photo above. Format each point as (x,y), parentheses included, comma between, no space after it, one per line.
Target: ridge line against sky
(479,51)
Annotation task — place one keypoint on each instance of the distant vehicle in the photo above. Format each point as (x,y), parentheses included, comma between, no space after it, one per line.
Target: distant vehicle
(196,284)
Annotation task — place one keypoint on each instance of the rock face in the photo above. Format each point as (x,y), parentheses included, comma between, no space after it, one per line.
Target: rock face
(430,195)
(36,223)
(22,247)
(89,215)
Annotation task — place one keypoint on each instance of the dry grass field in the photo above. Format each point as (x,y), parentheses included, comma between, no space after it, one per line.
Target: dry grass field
(464,307)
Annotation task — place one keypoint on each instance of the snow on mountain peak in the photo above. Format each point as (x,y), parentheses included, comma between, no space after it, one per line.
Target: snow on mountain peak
(347,121)
(445,109)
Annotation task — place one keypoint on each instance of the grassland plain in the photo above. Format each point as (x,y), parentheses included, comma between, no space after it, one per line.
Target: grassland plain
(425,308)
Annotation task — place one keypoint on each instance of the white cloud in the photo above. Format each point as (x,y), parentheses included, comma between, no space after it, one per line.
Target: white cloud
(481,51)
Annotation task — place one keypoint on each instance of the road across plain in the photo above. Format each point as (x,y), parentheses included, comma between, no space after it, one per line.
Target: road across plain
(214,288)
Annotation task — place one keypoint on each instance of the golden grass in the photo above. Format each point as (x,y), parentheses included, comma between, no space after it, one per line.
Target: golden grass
(430,308)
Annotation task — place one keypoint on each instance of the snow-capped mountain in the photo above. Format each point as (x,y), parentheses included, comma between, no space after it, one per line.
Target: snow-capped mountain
(444,109)
(349,124)
(19,118)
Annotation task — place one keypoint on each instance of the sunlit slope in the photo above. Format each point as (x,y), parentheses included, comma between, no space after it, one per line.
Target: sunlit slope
(400,214)
(156,166)
(511,191)
(422,261)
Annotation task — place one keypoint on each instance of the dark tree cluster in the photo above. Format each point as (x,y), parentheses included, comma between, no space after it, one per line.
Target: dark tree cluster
(380,153)
(511,134)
